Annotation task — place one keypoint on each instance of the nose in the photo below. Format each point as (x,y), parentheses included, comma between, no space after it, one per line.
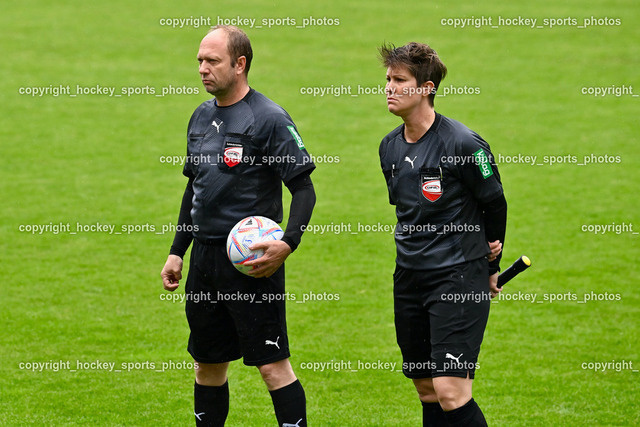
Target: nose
(202,68)
(389,89)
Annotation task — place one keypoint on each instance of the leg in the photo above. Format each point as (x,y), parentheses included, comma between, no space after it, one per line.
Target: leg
(432,413)
(278,374)
(212,338)
(211,374)
(287,394)
(456,339)
(211,394)
(426,392)
(262,332)
(414,338)
(454,395)
(452,392)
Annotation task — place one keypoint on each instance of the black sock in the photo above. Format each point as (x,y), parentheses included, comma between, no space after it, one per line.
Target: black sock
(433,415)
(211,404)
(468,414)
(290,405)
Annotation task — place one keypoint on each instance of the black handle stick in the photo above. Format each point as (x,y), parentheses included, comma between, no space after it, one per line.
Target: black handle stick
(517,267)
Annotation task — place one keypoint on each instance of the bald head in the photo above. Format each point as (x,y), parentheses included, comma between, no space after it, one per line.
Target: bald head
(224,57)
(237,43)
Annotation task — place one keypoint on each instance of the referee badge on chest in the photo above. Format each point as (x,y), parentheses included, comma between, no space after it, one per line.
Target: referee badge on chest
(431,183)
(232,153)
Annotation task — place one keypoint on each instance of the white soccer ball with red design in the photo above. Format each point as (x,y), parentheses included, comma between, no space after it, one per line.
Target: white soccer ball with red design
(250,230)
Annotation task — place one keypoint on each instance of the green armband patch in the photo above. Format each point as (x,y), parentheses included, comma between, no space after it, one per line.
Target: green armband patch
(483,163)
(297,137)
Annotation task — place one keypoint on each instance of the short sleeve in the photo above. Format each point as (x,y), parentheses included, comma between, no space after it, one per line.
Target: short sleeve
(193,139)
(478,171)
(286,152)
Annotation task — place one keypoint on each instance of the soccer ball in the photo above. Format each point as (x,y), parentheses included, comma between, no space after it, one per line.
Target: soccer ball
(252,229)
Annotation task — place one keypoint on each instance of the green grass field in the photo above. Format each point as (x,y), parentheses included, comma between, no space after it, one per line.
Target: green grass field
(70,301)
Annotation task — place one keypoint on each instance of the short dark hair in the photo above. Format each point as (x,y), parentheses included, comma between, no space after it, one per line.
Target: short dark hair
(238,44)
(421,61)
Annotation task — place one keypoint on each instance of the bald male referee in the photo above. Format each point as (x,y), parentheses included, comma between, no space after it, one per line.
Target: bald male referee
(241,148)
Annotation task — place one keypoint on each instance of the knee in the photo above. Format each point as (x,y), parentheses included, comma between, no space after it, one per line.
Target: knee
(269,372)
(277,375)
(453,392)
(428,397)
(451,397)
(211,374)
(425,390)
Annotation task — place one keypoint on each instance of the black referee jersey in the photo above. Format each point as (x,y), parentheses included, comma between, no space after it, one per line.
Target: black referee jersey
(238,156)
(437,185)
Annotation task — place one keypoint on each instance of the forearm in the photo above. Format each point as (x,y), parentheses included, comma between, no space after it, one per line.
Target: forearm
(495,224)
(183,236)
(303,199)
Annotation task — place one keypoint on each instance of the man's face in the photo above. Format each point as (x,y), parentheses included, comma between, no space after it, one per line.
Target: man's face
(216,72)
(403,93)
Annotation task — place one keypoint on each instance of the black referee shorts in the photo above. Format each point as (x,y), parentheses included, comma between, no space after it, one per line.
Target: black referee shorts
(232,315)
(440,318)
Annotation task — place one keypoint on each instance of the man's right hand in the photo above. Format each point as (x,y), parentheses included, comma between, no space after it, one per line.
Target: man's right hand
(172,273)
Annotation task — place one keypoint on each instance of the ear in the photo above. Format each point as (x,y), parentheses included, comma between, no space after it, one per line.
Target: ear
(241,62)
(428,88)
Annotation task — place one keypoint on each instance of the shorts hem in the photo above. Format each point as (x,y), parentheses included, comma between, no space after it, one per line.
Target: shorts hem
(213,361)
(268,360)
(457,374)
(422,375)
(417,375)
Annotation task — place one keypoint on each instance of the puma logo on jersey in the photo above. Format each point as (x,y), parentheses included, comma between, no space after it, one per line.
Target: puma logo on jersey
(452,357)
(198,415)
(217,125)
(269,342)
(292,425)
(407,159)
